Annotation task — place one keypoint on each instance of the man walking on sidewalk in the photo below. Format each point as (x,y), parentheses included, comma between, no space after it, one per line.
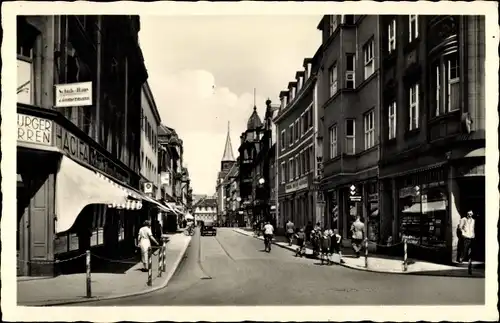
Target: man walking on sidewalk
(290,230)
(358,233)
(467,228)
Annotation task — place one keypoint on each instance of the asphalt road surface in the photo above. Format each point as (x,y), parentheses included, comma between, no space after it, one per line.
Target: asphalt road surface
(233,269)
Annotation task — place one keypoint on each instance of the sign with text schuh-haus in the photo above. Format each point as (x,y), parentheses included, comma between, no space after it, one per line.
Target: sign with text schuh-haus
(73,94)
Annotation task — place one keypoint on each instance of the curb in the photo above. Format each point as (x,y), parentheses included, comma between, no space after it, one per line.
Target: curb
(169,276)
(415,273)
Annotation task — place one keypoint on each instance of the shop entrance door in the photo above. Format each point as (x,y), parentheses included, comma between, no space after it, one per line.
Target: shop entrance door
(22,234)
(472,196)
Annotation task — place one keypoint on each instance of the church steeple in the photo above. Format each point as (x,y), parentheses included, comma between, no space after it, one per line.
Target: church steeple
(228,149)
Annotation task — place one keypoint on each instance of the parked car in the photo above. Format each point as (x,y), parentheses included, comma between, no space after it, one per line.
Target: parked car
(208,227)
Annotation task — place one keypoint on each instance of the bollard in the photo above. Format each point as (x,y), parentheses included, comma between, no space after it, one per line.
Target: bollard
(366,253)
(405,256)
(164,250)
(470,262)
(88,282)
(150,267)
(160,261)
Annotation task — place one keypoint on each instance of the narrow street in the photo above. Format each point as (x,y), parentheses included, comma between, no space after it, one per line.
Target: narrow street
(232,269)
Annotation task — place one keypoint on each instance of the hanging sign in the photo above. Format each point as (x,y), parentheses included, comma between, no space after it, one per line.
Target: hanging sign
(73,94)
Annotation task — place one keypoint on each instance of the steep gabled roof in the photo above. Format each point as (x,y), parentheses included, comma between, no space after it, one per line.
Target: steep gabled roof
(254,121)
(228,148)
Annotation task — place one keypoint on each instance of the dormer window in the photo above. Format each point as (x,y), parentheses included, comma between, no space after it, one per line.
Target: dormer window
(285,99)
(308,69)
(293,93)
(300,82)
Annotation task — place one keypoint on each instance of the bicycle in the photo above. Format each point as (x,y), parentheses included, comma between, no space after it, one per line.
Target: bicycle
(267,243)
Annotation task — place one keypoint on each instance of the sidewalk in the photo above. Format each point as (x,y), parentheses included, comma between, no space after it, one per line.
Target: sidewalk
(382,264)
(68,289)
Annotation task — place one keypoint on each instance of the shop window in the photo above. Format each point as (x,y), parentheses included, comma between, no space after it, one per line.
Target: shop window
(391,116)
(333,79)
(414,107)
(333,141)
(350,136)
(423,211)
(350,71)
(369,123)
(368,52)
(413,27)
(61,244)
(73,242)
(391,36)
(372,207)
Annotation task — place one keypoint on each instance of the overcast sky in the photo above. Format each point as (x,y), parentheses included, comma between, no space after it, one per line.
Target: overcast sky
(203,69)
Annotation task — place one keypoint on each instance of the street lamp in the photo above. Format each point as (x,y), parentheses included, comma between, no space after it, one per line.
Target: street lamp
(262,181)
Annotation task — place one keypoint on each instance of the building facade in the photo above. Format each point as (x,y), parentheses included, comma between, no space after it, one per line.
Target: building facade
(432,131)
(78,153)
(295,153)
(205,210)
(173,177)
(249,174)
(262,167)
(349,110)
(150,122)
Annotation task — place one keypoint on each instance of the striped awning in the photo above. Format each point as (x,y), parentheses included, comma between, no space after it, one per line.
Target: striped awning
(128,205)
(133,195)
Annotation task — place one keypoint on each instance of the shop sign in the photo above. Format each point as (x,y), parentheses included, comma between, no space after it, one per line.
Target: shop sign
(165,178)
(353,194)
(34,130)
(297,185)
(79,150)
(73,94)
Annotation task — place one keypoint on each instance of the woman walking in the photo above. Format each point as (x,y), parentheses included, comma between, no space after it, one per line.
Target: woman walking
(144,242)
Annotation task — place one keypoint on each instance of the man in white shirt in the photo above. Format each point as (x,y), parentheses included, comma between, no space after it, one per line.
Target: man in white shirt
(268,231)
(468,234)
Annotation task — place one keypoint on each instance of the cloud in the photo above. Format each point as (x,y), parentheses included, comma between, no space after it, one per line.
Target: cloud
(186,56)
(199,110)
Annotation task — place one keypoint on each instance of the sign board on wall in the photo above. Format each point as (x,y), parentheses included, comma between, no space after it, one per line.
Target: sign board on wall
(80,150)
(34,130)
(148,188)
(73,94)
(297,185)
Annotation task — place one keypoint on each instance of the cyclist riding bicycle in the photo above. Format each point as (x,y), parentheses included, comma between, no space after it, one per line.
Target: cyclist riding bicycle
(268,233)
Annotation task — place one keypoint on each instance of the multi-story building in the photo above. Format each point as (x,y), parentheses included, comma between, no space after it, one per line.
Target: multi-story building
(432,134)
(78,154)
(171,175)
(295,148)
(232,215)
(150,122)
(262,167)
(249,174)
(205,209)
(226,164)
(349,104)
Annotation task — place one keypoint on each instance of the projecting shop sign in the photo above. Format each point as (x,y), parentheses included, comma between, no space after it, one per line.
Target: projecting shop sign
(34,130)
(73,94)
